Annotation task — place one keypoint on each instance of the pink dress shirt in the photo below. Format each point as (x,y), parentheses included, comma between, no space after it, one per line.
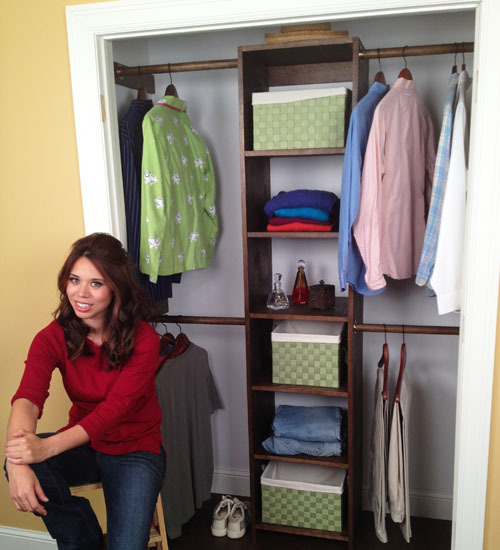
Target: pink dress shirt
(396,186)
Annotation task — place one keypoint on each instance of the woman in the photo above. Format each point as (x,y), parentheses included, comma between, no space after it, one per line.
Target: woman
(107,358)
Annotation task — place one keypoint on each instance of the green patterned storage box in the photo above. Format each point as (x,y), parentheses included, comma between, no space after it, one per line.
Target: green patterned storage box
(303,495)
(302,119)
(307,353)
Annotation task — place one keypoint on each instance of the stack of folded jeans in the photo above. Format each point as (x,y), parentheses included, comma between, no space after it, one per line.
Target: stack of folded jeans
(317,431)
(302,210)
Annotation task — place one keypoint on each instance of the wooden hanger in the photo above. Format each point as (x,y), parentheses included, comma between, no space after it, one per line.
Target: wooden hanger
(405,73)
(384,362)
(167,339)
(141,94)
(463,56)
(402,366)
(379,77)
(454,68)
(171,89)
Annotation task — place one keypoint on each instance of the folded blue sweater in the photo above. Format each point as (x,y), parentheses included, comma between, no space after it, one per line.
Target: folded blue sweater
(305,212)
(301,197)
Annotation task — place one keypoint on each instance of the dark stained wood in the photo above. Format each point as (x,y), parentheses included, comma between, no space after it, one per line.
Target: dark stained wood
(407,329)
(334,535)
(261,385)
(312,73)
(259,310)
(262,66)
(136,81)
(197,320)
(329,461)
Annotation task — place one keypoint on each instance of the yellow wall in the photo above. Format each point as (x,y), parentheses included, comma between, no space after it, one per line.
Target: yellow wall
(492,525)
(40,202)
(41,212)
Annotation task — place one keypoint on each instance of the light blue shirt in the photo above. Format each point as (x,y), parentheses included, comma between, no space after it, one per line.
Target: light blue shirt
(351,267)
(429,249)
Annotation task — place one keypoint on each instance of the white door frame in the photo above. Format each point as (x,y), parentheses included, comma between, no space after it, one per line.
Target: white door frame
(91,27)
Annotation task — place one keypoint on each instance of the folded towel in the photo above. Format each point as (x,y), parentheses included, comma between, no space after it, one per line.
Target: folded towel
(276,220)
(298,226)
(289,446)
(303,212)
(309,423)
(301,197)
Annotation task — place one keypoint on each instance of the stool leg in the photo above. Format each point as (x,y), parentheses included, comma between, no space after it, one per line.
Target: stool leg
(160,520)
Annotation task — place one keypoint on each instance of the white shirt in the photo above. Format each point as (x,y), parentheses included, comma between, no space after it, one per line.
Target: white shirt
(446,279)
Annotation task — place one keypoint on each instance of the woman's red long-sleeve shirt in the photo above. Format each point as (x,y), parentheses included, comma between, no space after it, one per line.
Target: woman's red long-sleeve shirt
(117,408)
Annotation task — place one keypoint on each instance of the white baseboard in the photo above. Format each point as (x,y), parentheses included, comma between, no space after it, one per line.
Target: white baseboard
(231,482)
(12,538)
(425,504)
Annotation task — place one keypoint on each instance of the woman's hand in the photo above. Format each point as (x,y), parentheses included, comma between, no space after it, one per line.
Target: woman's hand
(25,489)
(27,448)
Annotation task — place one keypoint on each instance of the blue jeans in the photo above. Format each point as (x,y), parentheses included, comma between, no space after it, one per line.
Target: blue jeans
(131,483)
(310,423)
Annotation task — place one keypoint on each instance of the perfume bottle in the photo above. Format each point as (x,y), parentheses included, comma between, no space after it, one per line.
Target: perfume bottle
(300,294)
(277,299)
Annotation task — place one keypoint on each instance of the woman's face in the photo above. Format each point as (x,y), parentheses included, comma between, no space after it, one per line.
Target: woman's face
(88,293)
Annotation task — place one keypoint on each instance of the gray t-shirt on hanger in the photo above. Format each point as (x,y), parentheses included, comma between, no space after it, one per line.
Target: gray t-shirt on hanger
(187,396)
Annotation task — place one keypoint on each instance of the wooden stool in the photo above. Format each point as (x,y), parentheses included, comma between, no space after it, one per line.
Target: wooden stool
(158,534)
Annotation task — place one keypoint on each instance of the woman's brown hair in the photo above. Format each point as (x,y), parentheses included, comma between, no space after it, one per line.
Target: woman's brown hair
(127,306)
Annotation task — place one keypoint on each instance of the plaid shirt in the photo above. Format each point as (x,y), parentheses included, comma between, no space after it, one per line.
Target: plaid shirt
(438,186)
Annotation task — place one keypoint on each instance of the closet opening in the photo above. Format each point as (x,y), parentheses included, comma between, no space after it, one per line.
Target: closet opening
(181,304)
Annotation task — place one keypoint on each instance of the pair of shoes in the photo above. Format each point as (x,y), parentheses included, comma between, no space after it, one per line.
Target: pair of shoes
(230,517)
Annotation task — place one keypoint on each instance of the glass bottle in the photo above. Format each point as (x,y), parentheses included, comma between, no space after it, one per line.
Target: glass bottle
(277,299)
(300,294)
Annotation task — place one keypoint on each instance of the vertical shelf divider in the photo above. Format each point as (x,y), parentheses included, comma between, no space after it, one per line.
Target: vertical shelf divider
(259,67)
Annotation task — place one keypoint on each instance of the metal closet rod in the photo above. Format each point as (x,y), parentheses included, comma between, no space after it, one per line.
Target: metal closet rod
(195,320)
(407,329)
(408,51)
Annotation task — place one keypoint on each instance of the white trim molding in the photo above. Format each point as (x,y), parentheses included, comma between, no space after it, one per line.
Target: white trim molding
(92,26)
(12,538)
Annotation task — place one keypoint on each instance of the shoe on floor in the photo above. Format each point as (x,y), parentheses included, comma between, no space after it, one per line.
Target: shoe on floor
(238,519)
(221,515)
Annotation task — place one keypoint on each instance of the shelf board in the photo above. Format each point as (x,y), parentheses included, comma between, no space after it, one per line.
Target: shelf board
(334,535)
(295,388)
(292,235)
(302,311)
(330,461)
(324,151)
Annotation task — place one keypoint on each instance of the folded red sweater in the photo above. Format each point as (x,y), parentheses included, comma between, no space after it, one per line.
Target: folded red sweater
(298,226)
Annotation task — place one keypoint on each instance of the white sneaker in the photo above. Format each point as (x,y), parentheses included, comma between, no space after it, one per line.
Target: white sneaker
(239,518)
(221,515)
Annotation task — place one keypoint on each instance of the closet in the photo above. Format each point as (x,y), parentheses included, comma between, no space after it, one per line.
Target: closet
(219,291)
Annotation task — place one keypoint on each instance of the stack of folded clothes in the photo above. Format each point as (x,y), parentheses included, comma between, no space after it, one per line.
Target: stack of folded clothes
(317,431)
(302,210)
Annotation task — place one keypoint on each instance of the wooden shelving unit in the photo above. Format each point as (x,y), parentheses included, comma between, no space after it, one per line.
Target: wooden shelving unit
(259,68)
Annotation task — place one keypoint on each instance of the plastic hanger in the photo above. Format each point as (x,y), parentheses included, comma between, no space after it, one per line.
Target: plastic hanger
(384,361)
(405,73)
(379,77)
(171,89)
(402,366)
